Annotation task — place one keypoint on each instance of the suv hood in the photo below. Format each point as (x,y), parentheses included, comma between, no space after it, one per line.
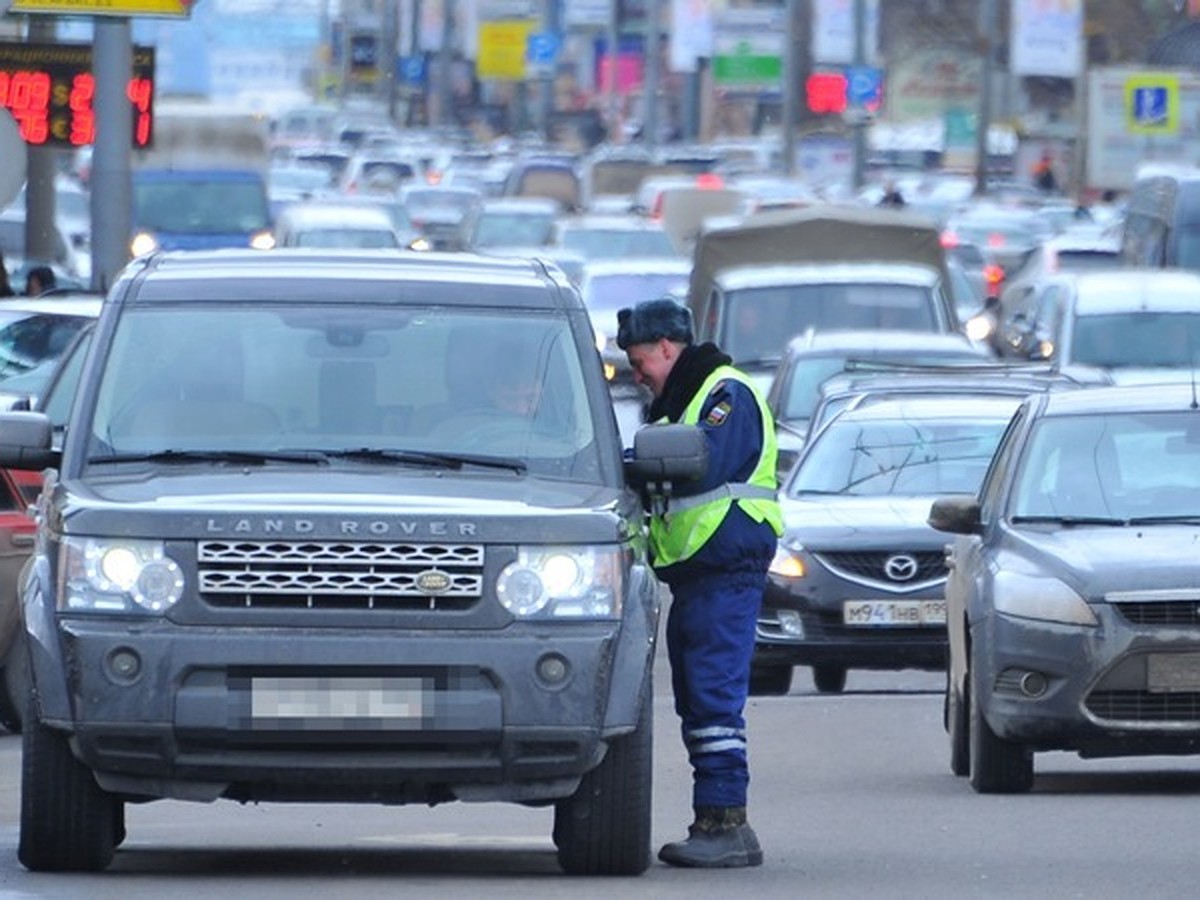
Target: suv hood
(257,503)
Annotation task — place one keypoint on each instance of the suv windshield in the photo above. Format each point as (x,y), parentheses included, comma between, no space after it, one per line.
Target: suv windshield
(348,387)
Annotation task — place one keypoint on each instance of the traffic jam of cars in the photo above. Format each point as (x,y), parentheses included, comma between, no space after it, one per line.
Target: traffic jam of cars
(986,407)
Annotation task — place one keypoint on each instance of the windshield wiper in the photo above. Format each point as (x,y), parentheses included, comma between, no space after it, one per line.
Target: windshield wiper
(1069,520)
(437,460)
(1181,519)
(241,457)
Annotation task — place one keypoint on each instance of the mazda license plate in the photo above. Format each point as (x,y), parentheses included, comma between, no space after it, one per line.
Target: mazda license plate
(893,613)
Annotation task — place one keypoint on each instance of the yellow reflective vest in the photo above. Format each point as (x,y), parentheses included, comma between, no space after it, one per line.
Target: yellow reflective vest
(688,522)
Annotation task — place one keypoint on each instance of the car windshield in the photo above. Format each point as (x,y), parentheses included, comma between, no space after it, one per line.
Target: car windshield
(29,339)
(499,229)
(346,238)
(905,457)
(1116,466)
(760,321)
(198,206)
(618,243)
(1137,339)
(605,294)
(332,380)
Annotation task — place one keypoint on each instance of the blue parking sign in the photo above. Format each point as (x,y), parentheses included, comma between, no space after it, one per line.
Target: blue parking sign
(1150,105)
(864,84)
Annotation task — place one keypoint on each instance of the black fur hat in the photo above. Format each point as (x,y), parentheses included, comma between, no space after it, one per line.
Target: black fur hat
(652,320)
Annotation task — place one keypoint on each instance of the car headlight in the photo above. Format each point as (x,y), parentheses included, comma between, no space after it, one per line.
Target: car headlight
(787,563)
(117,575)
(142,244)
(262,240)
(564,583)
(979,328)
(1044,599)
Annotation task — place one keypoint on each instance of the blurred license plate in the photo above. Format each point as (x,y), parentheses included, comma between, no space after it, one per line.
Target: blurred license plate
(1171,672)
(893,613)
(337,699)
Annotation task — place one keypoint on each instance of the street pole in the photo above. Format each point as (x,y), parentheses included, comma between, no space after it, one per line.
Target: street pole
(860,125)
(112,184)
(791,85)
(445,94)
(389,30)
(39,172)
(987,16)
(551,24)
(614,38)
(653,67)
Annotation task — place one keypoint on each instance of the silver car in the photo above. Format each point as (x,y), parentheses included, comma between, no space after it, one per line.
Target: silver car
(1073,599)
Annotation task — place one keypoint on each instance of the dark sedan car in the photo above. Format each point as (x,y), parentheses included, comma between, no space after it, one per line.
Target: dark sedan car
(857,580)
(1073,592)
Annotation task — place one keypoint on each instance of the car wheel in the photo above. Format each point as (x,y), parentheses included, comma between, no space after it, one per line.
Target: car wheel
(829,679)
(68,824)
(958,728)
(604,827)
(770,681)
(997,766)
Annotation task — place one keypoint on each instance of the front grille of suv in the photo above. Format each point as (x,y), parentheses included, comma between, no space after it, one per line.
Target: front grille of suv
(340,576)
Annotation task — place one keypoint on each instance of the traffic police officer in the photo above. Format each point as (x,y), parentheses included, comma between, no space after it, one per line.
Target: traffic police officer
(711,542)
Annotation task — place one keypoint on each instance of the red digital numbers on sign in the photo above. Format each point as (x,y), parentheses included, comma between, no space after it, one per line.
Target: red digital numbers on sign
(50,91)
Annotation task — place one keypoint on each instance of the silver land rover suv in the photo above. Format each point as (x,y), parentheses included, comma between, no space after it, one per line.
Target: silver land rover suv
(298,543)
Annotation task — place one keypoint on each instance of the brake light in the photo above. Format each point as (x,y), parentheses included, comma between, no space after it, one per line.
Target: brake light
(993,277)
(949,240)
(995,239)
(710,181)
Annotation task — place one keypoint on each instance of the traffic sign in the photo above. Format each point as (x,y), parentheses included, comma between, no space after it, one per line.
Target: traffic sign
(864,85)
(177,9)
(1152,103)
(542,48)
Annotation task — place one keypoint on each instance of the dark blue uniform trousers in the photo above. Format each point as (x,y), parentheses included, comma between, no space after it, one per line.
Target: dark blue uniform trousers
(710,640)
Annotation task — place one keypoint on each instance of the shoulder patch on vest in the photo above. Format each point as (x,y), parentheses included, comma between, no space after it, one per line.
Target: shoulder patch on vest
(718,414)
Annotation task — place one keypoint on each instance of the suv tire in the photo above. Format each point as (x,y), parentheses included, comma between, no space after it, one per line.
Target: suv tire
(68,824)
(604,827)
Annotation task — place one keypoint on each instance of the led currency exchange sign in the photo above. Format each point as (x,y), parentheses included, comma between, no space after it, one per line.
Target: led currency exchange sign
(49,89)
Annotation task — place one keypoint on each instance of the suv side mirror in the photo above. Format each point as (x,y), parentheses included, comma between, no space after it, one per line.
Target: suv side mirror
(667,453)
(25,441)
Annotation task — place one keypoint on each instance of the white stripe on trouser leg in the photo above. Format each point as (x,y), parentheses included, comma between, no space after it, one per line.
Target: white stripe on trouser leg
(717,746)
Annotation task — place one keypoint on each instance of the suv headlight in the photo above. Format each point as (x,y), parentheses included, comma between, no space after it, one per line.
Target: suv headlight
(117,575)
(564,583)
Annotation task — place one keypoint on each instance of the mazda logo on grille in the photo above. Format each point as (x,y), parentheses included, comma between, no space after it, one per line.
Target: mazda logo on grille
(900,567)
(433,581)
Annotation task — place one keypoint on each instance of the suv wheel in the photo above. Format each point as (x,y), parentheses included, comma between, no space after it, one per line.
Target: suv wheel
(770,681)
(604,827)
(997,766)
(829,679)
(68,824)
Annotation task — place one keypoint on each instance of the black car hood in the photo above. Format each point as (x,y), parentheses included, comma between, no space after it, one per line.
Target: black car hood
(1098,560)
(254,503)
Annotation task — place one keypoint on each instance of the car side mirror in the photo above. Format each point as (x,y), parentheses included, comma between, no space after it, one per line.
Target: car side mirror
(956,515)
(665,454)
(25,441)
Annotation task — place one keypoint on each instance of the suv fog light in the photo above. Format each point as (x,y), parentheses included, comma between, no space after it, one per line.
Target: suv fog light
(790,623)
(1033,684)
(553,669)
(124,665)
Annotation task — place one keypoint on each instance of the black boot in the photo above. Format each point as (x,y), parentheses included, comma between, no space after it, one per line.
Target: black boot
(720,838)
